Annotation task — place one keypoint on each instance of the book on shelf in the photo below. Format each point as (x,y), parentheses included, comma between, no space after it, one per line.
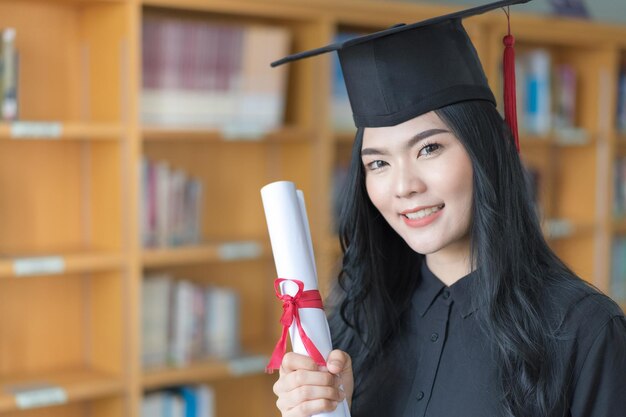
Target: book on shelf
(183,401)
(170,207)
(340,176)
(621,101)
(9,70)
(570,8)
(183,321)
(547,97)
(155,313)
(565,81)
(536,110)
(204,74)
(618,269)
(341,112)
(619,190)
(222,322)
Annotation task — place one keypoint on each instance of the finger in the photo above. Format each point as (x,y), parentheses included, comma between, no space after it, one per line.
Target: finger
(304,377)
(339,362)
(311,408)
(307,393)
(293,361)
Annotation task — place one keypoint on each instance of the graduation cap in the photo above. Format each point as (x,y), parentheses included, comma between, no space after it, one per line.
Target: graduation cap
(407,70)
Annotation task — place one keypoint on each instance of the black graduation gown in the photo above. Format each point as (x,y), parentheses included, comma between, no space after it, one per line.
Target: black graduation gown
(441,365)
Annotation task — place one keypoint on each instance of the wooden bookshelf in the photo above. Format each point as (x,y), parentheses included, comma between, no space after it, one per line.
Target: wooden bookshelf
(59,131)
(207,253)
(64,266)
(70,386)
(70,178)
(557,140)
(59,263)
(207,370)
(287,134)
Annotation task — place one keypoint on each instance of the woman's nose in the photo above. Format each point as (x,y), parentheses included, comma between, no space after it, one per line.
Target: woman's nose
(408,182)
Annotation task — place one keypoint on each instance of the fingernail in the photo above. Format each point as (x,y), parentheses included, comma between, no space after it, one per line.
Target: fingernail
(323,369)
(341,388)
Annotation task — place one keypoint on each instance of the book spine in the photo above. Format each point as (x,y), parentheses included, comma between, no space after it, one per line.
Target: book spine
(9,75)
(621,102)
(538,108)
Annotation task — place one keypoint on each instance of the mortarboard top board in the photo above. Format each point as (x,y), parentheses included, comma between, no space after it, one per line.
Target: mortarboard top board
(407,70)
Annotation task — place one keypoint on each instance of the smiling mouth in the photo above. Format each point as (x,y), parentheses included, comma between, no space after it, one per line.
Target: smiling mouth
(423,212)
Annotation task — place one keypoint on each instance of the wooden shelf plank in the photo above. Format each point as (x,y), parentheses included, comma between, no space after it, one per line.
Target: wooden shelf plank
(76,384)
(59,131)
(49,263)
(555,229)
(558,139)
(177,135)
(208,252)
(204,371)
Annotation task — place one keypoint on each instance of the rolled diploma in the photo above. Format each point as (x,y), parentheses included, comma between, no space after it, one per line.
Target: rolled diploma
(293,255)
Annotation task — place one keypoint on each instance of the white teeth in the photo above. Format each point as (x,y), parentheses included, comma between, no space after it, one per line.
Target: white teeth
(423,213)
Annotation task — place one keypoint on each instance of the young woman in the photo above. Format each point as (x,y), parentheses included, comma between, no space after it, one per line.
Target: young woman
(449,301)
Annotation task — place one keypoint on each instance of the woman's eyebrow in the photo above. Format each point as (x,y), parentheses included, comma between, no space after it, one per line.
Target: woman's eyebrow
(423,135)
(373,151)
(412,142)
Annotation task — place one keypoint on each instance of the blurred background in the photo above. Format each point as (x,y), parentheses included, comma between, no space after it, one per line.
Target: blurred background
(135,267)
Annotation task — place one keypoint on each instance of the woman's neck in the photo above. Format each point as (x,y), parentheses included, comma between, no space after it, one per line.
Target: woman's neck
(449,269)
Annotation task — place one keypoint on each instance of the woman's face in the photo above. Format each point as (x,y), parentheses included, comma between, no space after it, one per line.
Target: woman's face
(419,176)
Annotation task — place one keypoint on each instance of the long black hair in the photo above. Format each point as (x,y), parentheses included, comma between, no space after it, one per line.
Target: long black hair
(511,257)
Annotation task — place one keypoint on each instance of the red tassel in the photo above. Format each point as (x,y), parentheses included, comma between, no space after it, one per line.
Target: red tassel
(510,110)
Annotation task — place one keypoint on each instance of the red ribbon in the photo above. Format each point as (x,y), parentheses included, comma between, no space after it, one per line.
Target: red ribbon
(291,305)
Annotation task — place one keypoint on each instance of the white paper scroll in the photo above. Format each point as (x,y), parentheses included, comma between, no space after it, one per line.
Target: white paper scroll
(293,255)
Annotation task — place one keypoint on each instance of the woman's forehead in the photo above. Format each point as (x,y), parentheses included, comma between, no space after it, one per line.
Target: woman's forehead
(406,129)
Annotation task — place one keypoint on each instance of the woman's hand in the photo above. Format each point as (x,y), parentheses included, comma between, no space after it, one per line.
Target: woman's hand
(305,389)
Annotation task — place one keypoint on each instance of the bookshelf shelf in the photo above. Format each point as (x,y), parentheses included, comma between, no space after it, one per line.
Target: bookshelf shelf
(60,131)
(203,371)
(209,252)
(286,134)
(255,9)
(199,371)
(78,385)
(557,140)
(558,229)
(58,263)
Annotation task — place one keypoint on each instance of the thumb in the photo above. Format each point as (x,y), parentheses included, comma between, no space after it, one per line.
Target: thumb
(339,362)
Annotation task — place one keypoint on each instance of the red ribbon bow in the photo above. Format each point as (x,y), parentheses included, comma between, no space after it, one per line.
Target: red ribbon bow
(291,305)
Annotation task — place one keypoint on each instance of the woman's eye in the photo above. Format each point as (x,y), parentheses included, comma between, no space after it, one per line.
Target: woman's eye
(429,149)
(374,165)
